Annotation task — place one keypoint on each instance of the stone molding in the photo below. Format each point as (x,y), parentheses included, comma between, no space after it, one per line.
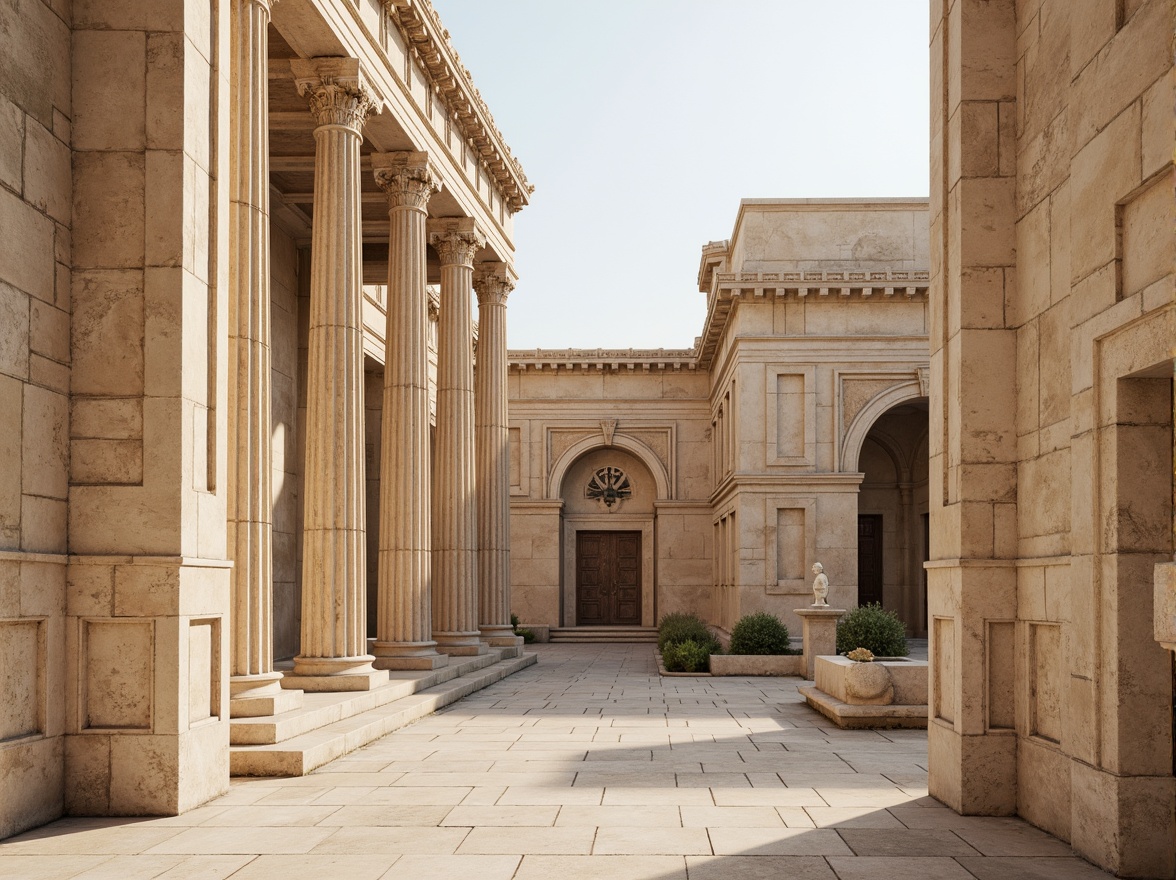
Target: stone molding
(600,359)
(456,240)
(407,178)
(727,288)
(852,430)
(558,465)
(338,91)
(421,28)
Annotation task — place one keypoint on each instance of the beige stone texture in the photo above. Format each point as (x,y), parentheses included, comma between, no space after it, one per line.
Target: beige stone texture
(745,452)
(1082,508)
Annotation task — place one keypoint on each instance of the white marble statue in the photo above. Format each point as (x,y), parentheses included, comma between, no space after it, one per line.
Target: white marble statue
(820,586)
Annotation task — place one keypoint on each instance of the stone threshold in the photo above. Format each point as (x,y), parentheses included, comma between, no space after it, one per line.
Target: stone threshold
(603,635)
(330,725)
(851,717)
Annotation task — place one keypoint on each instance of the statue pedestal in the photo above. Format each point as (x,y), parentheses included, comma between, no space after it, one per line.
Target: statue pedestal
(820,634)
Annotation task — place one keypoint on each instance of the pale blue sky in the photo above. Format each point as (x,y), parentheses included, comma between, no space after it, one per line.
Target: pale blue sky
(642,123)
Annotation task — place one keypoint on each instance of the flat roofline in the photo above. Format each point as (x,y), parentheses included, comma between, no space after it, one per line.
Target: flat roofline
(839,203)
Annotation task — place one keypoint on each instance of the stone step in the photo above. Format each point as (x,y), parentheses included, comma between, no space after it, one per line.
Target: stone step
(604,634)
(353,720)
(321,709)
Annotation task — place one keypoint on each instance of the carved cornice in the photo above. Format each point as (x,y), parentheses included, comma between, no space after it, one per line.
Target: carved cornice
(337,89)
(408,179)
(728,288)
(421,27)
(456,240)
(493,282)
(600,360)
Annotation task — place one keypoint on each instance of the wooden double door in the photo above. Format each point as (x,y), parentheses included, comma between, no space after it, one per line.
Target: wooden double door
(608,578)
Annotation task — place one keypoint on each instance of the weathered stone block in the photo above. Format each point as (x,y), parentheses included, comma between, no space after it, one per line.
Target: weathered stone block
(106,118)
(27,232)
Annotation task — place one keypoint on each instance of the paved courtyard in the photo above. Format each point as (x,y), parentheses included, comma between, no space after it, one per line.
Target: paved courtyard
(587,765)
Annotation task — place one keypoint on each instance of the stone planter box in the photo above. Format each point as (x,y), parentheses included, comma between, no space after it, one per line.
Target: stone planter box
(661,669)
(885,693)
(542,631)
(757,664)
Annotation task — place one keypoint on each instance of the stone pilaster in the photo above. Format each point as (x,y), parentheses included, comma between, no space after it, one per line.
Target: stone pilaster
(254,687)
(972,575)
(334,656)
(455,529)
(404,623)
(493,283)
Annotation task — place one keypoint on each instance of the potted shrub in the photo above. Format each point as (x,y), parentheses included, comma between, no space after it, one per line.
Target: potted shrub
(873,628)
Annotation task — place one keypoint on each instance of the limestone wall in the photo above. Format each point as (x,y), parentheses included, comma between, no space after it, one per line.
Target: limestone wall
(652,423)
(826,330)
(1052,343)
(36,112)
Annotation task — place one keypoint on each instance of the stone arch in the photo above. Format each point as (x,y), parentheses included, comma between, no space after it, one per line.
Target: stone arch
(855,434)
(632,445)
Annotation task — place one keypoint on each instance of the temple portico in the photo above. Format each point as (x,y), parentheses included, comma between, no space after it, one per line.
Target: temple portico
(233,466)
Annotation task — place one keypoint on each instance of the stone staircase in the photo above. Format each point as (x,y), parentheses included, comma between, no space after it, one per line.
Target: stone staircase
(332,724)
(596,635)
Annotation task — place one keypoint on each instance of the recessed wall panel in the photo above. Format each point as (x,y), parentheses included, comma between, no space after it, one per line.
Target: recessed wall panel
(790,416)
(21,677)
(118,672)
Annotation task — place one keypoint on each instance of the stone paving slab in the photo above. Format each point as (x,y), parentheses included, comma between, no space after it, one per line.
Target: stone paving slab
(588,765)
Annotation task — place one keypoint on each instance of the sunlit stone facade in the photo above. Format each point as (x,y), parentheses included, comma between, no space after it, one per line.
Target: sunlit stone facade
(228,229)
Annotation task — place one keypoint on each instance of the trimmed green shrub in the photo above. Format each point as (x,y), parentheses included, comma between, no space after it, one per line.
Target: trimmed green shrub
(678,627)
(869,626)
(528,635)
(687,656)
(760,633)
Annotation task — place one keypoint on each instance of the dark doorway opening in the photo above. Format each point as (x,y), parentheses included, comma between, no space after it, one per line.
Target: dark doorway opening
(869,558)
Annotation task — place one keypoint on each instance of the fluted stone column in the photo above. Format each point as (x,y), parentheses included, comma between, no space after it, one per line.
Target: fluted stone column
(493,283)
(254,686)
(455,527)
(334,656)
(404,623)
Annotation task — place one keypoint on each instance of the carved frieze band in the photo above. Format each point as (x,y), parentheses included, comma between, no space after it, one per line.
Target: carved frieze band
(456,240)
(407,178)
(337,90)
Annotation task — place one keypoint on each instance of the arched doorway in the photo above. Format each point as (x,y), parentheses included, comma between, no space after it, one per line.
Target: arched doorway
(893,514)
(607,532)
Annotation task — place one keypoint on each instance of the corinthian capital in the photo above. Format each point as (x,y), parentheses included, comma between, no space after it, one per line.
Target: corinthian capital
(338,91)
(408,179)
(493,282)
(456,240)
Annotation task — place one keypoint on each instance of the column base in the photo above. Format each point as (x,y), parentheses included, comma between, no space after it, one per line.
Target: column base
(331,674)
(407,655)
(500,636)
(256,696)
(460,644)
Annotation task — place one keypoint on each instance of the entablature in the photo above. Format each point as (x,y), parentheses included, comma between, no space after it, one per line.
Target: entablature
(603,360)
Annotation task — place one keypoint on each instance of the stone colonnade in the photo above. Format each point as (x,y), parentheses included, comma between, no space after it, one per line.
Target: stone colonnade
(419,535)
